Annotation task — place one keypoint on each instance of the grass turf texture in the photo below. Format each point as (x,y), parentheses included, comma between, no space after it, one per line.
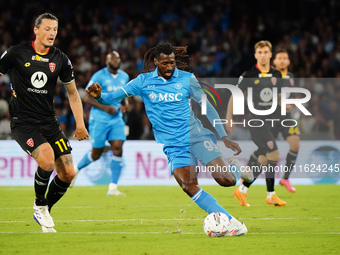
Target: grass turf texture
(163,220)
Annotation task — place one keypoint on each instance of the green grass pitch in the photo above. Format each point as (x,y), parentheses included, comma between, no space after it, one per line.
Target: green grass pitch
(163,220)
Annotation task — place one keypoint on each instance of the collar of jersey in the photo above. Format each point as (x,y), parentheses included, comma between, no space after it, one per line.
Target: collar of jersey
(40,52)
(262,71)
(108,71)
(155,73)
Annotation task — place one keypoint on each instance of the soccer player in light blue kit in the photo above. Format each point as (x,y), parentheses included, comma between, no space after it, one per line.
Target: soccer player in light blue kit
(106,123)
(166,93)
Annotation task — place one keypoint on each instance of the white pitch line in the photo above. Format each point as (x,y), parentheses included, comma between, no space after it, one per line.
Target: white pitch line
(30,208)
(174,219)
(310,218)
(147,206)
(132,206)
(186,205)
(184,233)
(97,206)
(108,220)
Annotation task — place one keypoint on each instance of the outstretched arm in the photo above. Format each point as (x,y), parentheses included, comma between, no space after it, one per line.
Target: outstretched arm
(95,91)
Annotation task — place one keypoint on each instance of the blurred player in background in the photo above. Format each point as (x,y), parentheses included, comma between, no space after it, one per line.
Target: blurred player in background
(290,134)
(34,68)
(261,78)
(105,122)
(166,93)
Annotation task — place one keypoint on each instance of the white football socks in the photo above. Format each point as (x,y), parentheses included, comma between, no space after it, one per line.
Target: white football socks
(243,189)
(269,194)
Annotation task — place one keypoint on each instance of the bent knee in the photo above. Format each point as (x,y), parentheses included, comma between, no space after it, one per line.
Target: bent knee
(95,156)
(47,165)
(190,188)
(262,160)
(295,147)
(67,177)
(118,152)
(273,156)
(226,182)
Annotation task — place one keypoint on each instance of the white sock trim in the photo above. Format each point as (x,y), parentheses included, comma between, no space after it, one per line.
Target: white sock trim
(270,194)
(113,186)
(89,156)
(117,158)
(197,195)
(243,189)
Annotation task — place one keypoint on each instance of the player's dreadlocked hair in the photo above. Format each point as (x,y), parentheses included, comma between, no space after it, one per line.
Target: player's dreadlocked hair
(181,55)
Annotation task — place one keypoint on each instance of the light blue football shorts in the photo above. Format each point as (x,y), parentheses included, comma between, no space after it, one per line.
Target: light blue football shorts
(106,131)
(202,147)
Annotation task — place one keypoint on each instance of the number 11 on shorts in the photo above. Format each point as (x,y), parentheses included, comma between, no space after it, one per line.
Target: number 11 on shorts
(61,144)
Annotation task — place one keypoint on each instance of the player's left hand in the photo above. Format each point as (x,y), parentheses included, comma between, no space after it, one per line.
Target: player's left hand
(81,133)
(232,145)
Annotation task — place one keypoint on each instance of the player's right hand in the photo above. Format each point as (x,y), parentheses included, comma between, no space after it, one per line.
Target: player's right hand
(94,90)
(231,145)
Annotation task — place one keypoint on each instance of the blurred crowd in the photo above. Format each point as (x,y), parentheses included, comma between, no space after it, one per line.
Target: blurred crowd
(220,36)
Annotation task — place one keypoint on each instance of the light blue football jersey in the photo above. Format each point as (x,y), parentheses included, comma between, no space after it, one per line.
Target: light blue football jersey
(167,104)
(109,83)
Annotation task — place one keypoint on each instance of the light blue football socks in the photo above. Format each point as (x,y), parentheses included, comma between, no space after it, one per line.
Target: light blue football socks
(208,203)
(116,168)
(85,161)
(236,171)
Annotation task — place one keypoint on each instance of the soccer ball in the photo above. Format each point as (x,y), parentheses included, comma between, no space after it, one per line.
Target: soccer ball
(216,224)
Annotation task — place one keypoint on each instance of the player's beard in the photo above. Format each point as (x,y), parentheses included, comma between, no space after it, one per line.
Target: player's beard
(113,68)
(167,75)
